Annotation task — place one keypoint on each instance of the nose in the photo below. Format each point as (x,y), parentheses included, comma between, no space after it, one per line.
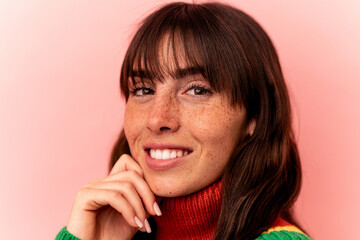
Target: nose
(164,114)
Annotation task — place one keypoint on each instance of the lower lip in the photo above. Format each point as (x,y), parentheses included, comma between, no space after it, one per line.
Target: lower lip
(162,164)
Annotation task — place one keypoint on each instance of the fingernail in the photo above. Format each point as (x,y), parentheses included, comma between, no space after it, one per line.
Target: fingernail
(147,226)
(138,222)
(157,209)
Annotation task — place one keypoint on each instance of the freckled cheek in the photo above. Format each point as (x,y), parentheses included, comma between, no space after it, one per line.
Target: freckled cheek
(133,125)
(215,131)
(208,124)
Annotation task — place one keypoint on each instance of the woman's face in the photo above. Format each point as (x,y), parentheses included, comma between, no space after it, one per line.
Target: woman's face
(180,131)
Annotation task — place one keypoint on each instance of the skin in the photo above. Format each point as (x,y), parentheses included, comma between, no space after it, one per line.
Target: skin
(106,208)
(181,111)
(186,112)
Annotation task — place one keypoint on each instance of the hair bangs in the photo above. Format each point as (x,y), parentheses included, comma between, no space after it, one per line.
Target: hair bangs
(175,51)
(168,43)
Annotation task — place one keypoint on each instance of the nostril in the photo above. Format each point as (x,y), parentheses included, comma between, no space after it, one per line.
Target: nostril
(164,128)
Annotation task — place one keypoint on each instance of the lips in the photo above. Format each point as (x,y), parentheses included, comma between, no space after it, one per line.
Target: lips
(160,156)
(167,153)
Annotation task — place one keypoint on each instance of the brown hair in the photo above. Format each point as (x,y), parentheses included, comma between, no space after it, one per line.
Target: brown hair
(263,177)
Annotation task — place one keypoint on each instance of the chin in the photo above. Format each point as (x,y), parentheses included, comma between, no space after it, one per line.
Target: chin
(170,188)
(175,187)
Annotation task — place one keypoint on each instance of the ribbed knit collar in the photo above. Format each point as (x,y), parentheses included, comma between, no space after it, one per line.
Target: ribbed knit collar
(190,217)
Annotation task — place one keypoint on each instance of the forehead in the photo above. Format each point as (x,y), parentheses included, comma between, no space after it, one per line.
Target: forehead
(171,56)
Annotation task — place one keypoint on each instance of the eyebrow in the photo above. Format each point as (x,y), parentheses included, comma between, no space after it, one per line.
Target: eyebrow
(186,72)
(180,73)
(140,74)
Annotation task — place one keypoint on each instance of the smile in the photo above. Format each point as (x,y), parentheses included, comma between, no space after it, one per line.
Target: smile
(163,156)
(167,153)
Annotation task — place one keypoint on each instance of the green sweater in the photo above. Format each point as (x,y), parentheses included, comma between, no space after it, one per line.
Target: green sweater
(274,233)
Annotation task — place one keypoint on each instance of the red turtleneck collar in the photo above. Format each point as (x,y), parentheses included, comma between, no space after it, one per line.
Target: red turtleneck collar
(193,216)
(190,217)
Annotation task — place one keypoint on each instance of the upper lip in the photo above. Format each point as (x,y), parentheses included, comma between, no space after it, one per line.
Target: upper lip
(154,145)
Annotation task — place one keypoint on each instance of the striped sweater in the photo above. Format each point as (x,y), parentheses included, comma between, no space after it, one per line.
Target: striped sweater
(194,217)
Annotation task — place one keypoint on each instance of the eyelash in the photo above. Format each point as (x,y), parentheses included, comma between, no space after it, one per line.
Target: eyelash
(198,87)
(194,87)
(133,91)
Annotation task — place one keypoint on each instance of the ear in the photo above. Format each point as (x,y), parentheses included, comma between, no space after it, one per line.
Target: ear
(251,127)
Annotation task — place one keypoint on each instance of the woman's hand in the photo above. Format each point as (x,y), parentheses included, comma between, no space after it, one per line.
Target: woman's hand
(114,207)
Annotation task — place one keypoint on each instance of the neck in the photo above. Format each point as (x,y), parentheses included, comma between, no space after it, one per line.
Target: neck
(190,217)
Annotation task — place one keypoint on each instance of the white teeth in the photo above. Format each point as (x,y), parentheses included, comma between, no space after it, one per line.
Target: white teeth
(167,153)
(179,153)
(152,153)
(173,154)
(158,154)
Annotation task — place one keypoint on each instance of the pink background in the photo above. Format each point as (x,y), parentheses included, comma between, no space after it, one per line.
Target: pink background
(60,107)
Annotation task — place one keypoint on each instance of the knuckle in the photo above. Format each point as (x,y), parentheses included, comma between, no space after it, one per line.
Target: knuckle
(115,194)
(82,193)
(96,180)
(133,173)
(124,158)
(127,185)
(120,161)
(88,185)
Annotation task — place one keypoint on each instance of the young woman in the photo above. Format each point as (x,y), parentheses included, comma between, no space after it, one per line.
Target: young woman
(207,150)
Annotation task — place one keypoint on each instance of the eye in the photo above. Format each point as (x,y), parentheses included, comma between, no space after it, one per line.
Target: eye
(142,91)
(197,90)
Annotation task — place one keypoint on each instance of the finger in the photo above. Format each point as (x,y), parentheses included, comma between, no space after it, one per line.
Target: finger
(126,163)
(93,199)
(141,187)
(128,191)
